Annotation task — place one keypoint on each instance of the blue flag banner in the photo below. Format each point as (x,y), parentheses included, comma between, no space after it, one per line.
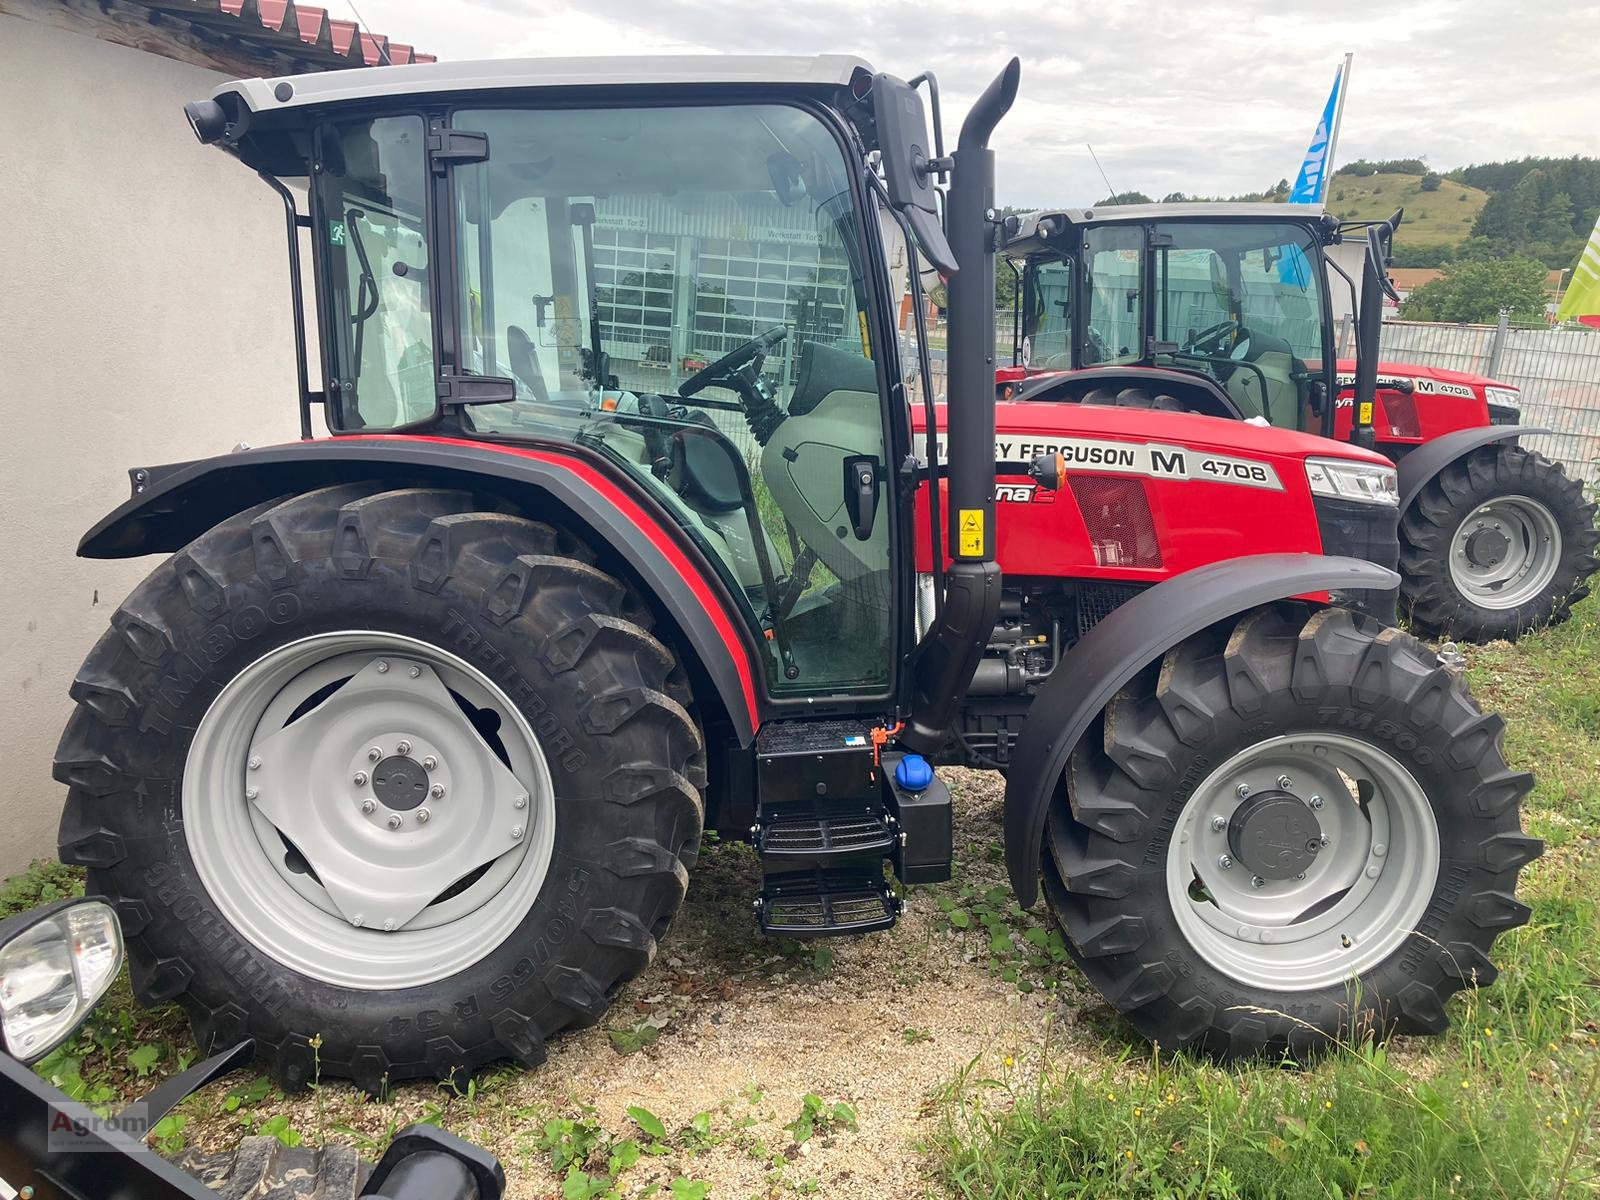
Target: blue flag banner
(1312,183)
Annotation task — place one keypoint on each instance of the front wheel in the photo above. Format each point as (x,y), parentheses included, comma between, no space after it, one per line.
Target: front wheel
(390,782)
(1499,542)
(1298,827)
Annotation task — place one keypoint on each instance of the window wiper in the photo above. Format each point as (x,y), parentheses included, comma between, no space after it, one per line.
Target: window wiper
(367,291)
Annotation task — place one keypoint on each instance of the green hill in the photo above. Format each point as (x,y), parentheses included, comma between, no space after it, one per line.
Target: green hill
(1443,216)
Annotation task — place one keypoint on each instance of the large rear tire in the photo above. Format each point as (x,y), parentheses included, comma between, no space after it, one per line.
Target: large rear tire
(1186,862)
(1500,542)
(391,783)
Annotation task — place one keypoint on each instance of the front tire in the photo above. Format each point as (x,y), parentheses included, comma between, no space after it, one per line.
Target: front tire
(1186,863)
(251,759)
(1500,542)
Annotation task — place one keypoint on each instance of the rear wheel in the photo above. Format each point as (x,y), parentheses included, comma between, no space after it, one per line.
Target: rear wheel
(1296,828)
(389,783)
(1500,542)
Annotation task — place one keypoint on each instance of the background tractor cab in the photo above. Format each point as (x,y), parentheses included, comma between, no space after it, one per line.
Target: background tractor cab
(1224,309)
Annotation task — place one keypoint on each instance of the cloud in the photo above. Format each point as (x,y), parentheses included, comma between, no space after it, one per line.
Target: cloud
(1202,96)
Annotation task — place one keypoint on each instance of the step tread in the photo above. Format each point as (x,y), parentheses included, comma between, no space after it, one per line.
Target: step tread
(805,909)
(811,836)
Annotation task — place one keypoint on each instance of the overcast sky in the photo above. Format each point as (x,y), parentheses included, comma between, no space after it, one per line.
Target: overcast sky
(1204,96)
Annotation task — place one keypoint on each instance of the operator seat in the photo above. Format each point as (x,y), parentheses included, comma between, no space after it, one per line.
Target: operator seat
(525,363)
(1276,360)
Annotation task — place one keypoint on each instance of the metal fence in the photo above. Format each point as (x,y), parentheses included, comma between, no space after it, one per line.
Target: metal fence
(1557,370)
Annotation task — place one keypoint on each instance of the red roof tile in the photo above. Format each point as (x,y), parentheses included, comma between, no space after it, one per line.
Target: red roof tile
(316,29)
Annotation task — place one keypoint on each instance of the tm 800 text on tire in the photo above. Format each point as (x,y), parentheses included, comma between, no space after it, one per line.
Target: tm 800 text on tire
(387,769)
(1294,828)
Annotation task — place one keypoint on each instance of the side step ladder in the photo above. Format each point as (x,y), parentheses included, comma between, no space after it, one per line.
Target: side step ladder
(827,818)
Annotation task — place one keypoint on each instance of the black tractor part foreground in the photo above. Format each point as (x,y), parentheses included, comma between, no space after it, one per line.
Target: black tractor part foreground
(63,958)
(399,761)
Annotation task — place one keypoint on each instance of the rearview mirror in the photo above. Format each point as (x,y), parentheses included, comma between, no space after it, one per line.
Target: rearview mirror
(908,168)
(56,962)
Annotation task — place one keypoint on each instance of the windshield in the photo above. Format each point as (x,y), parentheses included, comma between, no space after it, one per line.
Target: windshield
(680,290)
(1242,302)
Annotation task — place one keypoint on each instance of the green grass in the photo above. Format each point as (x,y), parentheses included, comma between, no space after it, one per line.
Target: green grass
(1431,217)
(1505,1106)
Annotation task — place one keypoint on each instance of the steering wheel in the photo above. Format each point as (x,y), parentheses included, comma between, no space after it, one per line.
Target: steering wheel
(1216,340)
(751,354)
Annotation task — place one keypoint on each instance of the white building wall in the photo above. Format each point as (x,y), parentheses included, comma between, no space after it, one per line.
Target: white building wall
(143,319)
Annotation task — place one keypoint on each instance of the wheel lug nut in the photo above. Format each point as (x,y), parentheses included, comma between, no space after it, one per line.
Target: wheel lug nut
(423,816)
(1300,875)
(1219,823)
(1257,882)
(357,920)
(1379,850)
(1316,844)
(394,822)
(1315,801)
(520,802)
(403,748)
(251,793)
(415,672)
(255,763)
(374,754)
(1225,861)
(1324,841)
(383,667)
(436,791)
(430,763)
(360,778)
(516,833)
(369,806)
(1285,783)
(1243,790)
(389,925)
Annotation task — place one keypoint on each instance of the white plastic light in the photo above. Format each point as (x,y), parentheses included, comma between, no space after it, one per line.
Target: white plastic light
(1345,479)
(53,973)
(1499,394)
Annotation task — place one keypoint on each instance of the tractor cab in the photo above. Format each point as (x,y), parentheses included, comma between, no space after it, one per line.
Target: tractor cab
(1232,299)
(683,280)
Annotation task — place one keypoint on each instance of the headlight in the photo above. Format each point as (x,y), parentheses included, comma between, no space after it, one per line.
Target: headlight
(1503,395)
(1347,480)
(55,963)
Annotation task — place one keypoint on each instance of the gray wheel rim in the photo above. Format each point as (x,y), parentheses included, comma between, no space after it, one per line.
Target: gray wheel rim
(350,820)
(1352,907)
(1523,553)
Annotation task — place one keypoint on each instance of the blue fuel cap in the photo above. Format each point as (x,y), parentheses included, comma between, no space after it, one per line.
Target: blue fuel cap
(913,773)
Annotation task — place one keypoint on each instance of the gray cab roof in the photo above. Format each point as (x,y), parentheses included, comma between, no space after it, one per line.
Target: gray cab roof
(1028,232)
(262,96)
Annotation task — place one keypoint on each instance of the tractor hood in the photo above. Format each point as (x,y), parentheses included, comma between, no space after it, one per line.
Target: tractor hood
(1457,383)
(1028,428)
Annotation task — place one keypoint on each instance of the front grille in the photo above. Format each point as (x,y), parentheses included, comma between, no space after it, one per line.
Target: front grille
(1097,601)
(1504,414)
(1116,513)
(1371,531)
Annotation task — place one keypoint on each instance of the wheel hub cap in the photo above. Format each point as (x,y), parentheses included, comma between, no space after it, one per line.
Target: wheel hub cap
(400,783)
(1274,835)
(1487,547)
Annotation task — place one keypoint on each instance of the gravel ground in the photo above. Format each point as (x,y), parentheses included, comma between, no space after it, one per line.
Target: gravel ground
(748,1028)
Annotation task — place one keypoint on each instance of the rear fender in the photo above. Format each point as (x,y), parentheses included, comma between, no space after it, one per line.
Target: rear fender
(1119,647)
(171,506)
(1428,459)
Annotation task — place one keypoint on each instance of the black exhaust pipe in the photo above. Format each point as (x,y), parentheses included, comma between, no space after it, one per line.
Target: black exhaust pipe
(949,654)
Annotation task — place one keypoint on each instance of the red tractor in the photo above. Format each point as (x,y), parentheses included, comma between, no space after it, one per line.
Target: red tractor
(1226,309)
(400,760)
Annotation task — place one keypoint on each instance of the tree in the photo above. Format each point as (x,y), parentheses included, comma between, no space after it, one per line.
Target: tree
(1431,182)
(1475,290)
(1126,198)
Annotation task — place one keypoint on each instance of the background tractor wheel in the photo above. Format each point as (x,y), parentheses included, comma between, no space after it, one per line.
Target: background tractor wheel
(1295,828)
(1499,542)
(391,783)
